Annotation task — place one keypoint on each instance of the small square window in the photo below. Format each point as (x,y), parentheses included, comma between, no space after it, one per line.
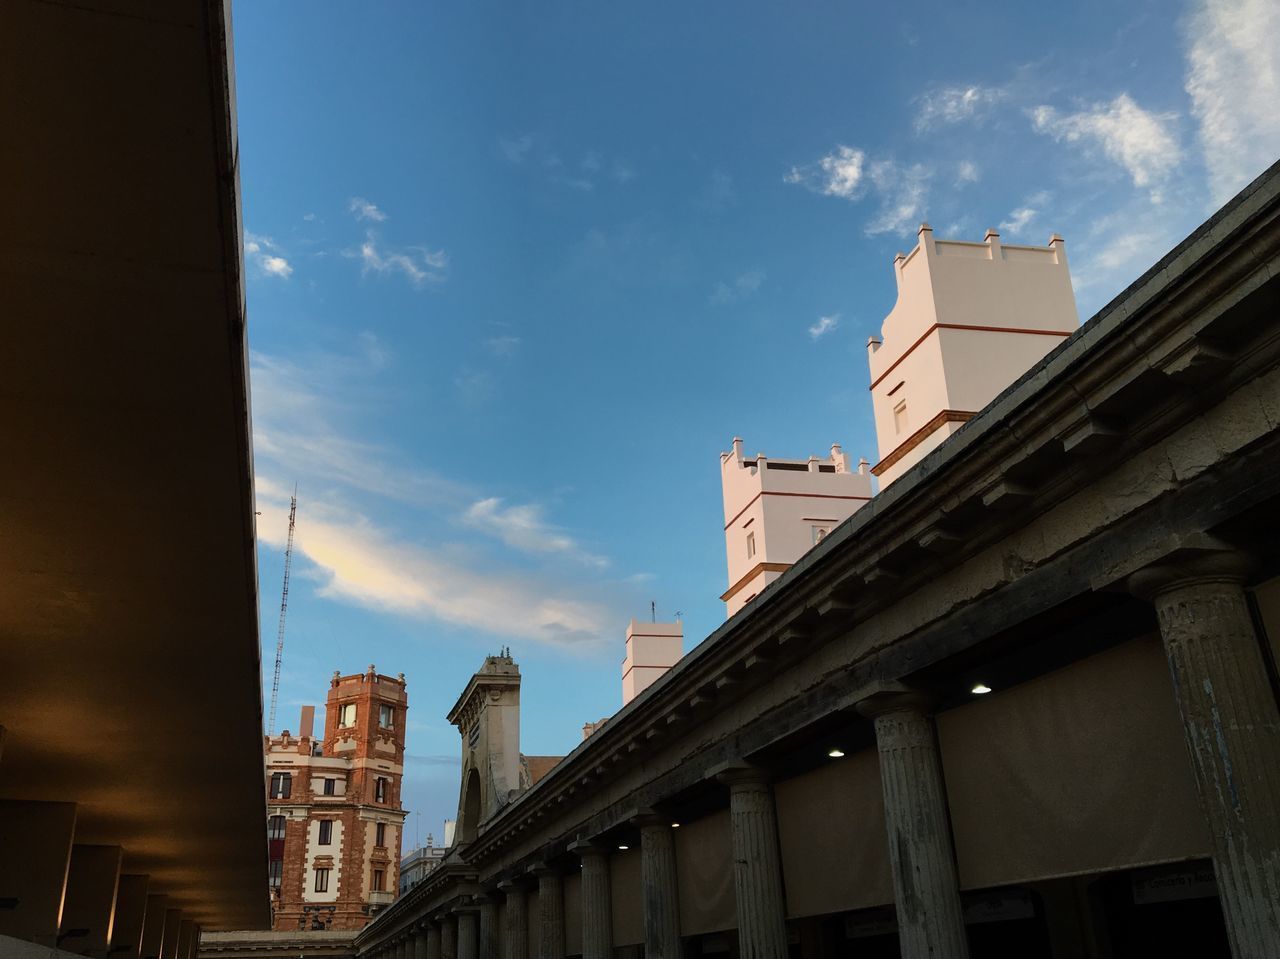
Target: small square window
(347,715)
(751,544)
(386,716)
(322,880)
(330,787)
(380,834)
(326,832)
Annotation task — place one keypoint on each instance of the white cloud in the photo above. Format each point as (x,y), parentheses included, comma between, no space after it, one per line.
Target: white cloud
(967,172)
(1018,220)
(1144,143)
(523,528)
(359,562)
(742,286)
(263,254)
(903,192)
(305,414)
(839,173)
(954,105)
(1233,77)
(824,326)
(1118,259)
(362,209)
(419,264)
(622,171)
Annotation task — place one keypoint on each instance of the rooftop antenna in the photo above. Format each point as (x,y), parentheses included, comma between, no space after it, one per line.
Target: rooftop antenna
(653,609)
(284,605)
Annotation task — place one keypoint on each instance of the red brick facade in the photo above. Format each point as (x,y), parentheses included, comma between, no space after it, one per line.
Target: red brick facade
(343,788)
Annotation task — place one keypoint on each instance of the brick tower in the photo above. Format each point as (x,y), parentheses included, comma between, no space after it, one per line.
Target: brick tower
(334,818)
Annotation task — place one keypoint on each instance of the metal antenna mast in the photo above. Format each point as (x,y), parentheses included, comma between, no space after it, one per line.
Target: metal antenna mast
(284,605)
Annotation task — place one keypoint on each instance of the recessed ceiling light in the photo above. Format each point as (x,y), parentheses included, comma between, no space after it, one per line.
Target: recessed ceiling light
(835,753)
(624,848)
(981,689)
(675,825)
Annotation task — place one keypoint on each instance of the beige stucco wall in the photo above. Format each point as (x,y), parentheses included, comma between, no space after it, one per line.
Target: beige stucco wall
(314,849)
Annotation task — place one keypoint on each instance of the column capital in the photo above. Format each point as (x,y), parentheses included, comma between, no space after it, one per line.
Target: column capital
(508,886)
(1192,567)
(583,848)
(649,817)
(738,773)
(894,698)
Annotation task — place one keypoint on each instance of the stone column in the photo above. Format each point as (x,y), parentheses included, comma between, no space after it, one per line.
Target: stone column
(658,888)
(404,948)
(433,940)
(488,927)
(597,905)
(515,935)
(926,890)
(757,865)
(419,941)
(468,934)
(550,914)
(449,938)
(1232,729)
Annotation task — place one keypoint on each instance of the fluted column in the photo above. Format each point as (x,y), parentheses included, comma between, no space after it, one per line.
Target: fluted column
(433,940)
(419,940)
(488,927)
(658,888)
(757,865)
(597,906)
(515,934)
(1232,729)
(449,938)
(926,889)
(468,934)
(550,914)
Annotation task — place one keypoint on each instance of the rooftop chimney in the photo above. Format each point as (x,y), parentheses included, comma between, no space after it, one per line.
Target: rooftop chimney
(307,724)
(652,649)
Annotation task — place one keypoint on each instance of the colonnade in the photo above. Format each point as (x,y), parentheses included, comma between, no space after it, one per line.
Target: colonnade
(1232,728)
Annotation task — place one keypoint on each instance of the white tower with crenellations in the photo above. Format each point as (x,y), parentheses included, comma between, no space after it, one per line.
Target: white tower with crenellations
(970,319)
(776,510)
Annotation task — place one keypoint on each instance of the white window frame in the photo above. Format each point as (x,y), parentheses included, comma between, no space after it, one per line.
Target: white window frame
(751,544)
(346,715)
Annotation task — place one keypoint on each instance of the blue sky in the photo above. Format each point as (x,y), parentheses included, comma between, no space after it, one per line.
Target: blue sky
(518,272)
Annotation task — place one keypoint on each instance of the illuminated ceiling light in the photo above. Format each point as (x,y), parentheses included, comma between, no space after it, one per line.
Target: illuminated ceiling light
(675,825)
(835,753)
(624,848)
(981,689)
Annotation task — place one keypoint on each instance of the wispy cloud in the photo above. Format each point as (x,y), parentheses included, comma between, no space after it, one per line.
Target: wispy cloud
(360,562)
(1142,142)
(849,174)
(516,149)
(954,105)
(421,265)
(824,326)
(307,414)
(503,345)
(362,209)
(739,288)
(903,192)
(524,528)
(839,173)
(265,257)
(1233,77)
(1018,220)
(967,172)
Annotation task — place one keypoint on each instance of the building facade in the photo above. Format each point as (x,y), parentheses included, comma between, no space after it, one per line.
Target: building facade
(334,823)
(1022,703)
